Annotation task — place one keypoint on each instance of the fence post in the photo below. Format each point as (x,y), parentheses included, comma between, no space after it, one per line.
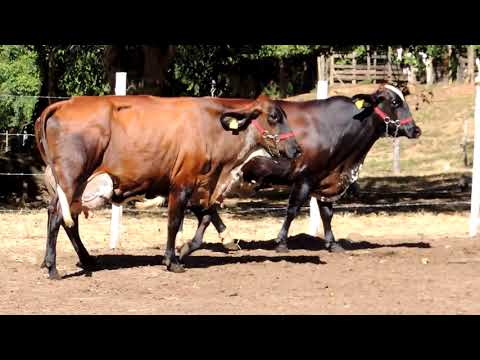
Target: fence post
(322,93)
(475,197)
(6,141)
(389,63)
(117,209)
(375,67)
(368,63)
(354,65)
(332,70)
(396,156)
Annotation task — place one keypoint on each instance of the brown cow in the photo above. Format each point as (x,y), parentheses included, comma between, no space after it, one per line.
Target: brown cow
(188,149)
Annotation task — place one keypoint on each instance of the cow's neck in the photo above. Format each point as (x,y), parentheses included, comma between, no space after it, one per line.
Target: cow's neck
(368,135)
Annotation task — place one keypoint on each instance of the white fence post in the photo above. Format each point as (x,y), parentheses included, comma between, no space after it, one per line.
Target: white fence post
(117,209)
(322,93)
(6,141)
(475,199)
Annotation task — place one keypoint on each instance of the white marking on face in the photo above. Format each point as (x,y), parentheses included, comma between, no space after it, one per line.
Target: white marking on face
(396,91)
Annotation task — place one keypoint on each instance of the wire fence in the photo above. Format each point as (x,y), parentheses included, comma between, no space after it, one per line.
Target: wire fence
(22,139)
(35,96)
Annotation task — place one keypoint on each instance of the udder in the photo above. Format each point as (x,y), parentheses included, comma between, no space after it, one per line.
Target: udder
(97,193)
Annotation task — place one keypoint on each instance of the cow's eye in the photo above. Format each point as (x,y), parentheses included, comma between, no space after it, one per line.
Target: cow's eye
(395,103)
(273,117)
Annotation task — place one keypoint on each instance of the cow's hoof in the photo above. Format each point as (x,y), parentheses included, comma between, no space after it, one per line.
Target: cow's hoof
(232,246)
(43,265)
(176,268)
(335,248)
(54,275)
(282,248)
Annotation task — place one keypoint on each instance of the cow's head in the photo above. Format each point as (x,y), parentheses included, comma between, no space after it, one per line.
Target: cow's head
(271,129)
(388,105)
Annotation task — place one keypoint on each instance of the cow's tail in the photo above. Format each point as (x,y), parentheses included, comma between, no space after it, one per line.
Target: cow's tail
(41,140)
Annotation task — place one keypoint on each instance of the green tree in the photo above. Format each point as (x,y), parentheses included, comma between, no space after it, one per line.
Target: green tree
(68,70)
(19,86)
(84,70)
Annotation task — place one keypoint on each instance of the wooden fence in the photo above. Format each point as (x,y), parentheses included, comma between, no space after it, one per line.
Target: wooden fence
(376,68)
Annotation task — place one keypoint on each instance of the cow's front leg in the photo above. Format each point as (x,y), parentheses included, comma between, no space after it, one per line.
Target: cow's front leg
(298,196)
(326,213)
(53,226)
(224,234)
(177,203)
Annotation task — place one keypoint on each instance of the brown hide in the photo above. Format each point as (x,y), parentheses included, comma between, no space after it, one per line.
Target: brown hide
(148,145)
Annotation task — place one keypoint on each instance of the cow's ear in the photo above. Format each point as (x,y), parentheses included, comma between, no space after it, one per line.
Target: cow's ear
(236,121)
(362,101)
(363,105)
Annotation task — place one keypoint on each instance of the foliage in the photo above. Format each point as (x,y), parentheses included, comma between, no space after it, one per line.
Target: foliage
(286,51)
(18,76)
(84,70)
(272,90)
(78,69)
(195,66)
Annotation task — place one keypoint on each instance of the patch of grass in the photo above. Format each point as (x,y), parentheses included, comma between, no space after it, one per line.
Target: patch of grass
(438,150)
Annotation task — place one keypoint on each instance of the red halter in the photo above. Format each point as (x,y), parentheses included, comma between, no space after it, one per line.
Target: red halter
(262,131)
(386,118)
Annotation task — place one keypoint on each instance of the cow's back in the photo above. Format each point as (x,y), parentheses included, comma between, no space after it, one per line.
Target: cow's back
(324,128)
(158,141)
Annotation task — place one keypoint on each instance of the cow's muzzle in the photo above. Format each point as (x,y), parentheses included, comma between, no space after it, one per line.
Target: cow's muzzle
(417,132)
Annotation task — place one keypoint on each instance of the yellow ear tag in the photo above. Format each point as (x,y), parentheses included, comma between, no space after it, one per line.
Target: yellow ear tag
(359,103)
(233,124)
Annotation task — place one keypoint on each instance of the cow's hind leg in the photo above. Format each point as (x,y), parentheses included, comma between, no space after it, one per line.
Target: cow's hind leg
(298,196)
(204,219)
(53,226)
(326,213)
(177,202)
(86,260)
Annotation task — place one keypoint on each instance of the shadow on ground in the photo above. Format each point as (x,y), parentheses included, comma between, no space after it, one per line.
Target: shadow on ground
(308,242)
(438,193)
(297,242)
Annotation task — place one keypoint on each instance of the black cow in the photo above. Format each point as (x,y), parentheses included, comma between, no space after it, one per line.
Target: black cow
(335,135)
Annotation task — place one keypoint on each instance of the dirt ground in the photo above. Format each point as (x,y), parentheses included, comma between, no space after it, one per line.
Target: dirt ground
(415,263)
(408,250)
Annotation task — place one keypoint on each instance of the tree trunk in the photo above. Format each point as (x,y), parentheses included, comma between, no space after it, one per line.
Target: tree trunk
(156,62)
(428,61)
(412,75)
(282,79)
(471,64)
(389,63)
(42,103)
(112,64)
(460,69)
(430,71)
(450,64)
(52,77)
(146,66)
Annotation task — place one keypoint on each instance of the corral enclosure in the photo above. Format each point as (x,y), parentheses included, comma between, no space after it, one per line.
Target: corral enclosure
(406,240)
